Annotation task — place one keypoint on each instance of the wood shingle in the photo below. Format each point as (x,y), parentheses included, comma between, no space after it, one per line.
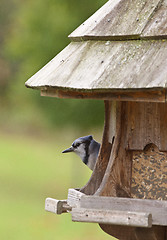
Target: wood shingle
(118,19)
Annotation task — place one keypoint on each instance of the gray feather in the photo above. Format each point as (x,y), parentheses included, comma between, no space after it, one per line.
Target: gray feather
(87,149)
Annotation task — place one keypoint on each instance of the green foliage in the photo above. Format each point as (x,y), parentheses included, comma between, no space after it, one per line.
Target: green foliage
(28,176)
(38,32)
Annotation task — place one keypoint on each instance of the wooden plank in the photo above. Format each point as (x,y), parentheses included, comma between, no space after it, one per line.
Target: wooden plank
(118,19)
(139,96)
(101,65)
(147,123)
(56,206)
(137,219)
(158,209)
(74,197)
(157,26)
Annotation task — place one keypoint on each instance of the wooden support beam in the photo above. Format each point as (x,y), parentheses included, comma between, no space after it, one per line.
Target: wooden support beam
(57,206)
(126,95)
(157,208)
(125,218)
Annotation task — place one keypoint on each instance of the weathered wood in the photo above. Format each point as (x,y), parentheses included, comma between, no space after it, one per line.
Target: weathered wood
(74,197)
(101,65)
(119,19)
(146,129)
(147,123)
(157,208)
(93,184)
(139,96)
(56,206)
(157,26)
(117,178)
(126,218)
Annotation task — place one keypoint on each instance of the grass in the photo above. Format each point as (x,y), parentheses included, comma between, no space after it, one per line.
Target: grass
(33,168)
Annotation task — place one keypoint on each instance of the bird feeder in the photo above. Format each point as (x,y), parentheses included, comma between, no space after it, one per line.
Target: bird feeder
(119,55)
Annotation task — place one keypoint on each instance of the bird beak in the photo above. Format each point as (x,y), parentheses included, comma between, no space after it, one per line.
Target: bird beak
(71,149)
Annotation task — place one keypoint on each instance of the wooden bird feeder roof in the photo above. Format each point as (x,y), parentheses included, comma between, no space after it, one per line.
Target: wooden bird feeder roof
(122,47)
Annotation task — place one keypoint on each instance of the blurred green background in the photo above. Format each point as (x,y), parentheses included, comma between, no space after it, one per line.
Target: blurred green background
(34,130)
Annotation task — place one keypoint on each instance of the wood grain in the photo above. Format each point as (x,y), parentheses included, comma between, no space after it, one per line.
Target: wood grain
(147,123)
(74,197)
(126,218)
(113,95)
(119,19)
(157,26)
(57,206)
(158,209)
(117,178)
(106,65)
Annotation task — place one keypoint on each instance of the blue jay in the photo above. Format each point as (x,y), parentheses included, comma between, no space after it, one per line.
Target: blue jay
(87,149)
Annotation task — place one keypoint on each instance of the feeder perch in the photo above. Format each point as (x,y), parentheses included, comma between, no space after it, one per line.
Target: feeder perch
(119,55)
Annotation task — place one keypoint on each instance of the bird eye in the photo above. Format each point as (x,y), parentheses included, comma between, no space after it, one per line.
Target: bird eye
(77,145)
